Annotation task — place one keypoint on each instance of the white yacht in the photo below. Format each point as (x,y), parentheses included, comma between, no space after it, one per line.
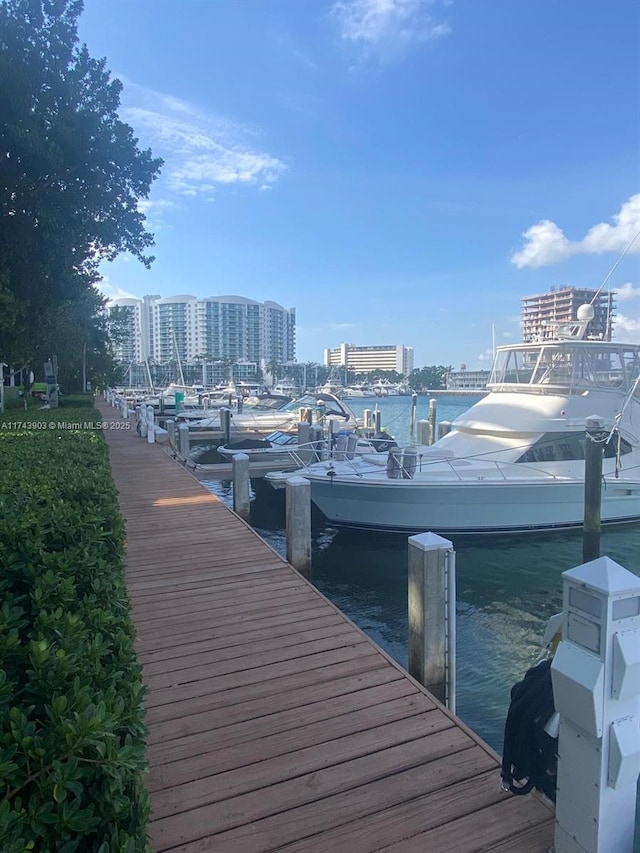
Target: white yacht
(515,460)
(278,413)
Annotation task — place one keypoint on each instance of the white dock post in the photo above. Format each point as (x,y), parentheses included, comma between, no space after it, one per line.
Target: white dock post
(225,424)
(304,448)
(183,440)
(241,485)
(366,418)
(432,420)
(170,426)
(596,687)
(444,428)
(377,421)
(151,432)
(125,409)
(142,414)
(432,612)
(298,527)
(423,432)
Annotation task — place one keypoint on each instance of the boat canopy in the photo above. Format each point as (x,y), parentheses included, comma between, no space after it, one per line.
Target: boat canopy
(569,366)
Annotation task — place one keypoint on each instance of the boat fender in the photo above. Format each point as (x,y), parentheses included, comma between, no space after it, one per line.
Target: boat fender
(529,755)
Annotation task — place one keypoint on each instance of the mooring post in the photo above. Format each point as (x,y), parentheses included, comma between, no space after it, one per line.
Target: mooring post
(125,409)
(593,455)
(170,426)
(412,420)
(423,432)
(444,427)
(432,615)
(366,419)
(142,414)
(432,420)
(225,424)
(298,524)
(183,440)
(241,485)
(151,431)
(377,421)
(304,449)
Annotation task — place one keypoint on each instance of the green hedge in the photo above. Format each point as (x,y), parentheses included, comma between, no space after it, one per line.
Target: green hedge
(71,698)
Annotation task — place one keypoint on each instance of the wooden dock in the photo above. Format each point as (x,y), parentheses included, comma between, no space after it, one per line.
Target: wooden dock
(274,722)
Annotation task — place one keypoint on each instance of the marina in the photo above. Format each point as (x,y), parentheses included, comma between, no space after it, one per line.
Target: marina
(275,723)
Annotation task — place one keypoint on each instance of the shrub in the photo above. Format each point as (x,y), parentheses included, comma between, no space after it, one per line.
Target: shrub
(71,698)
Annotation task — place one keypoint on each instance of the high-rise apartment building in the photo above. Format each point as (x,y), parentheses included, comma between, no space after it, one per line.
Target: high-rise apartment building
(560,305)
(368,359)
(218,328)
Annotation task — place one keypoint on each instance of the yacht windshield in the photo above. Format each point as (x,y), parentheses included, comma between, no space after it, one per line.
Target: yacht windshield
(571,366)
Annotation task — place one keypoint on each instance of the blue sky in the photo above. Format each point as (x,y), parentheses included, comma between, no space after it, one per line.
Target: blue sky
(399,171)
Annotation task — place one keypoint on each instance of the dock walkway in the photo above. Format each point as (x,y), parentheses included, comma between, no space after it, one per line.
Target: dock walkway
(274,722)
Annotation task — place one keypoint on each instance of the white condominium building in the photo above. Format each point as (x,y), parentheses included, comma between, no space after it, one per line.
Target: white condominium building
(368,359)
(218,328)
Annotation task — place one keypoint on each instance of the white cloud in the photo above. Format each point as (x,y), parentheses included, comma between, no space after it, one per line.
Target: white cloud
(547,244)
(111,291)
(201,151)
(154,212)
(626,329)
(627,292)
(386,27)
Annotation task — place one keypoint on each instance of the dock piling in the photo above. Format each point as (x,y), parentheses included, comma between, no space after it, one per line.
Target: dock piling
(304,448)
(593,455)
(183,440)
(432,623)
(433,403)
(170,426)
(423,432)
(298,524)
(241,485)
(225,424)
(444,427)
(151,432)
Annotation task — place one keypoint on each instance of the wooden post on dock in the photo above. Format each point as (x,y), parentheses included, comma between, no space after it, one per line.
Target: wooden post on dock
(412,420)
(593,455)
(423,432)
(241,485)
(183,440)
(377,421)
(304,448)
(141,415)
(170,426)
(151,432)
(444,427)
(432,626)
(298,524)
(225,424)
(432,420)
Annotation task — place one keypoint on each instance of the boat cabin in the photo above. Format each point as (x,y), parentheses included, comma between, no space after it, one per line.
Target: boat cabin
(566,366)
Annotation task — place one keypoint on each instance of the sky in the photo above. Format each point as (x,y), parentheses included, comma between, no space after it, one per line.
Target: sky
(399,171)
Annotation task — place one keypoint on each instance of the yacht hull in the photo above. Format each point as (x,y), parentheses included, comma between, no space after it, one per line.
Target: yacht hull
(469,508)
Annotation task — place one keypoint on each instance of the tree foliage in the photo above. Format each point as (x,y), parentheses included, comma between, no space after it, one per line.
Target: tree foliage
(71,173)
(432,377)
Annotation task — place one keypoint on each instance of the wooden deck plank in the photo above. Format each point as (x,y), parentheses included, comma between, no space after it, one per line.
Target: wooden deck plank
(292,742)
(307,821)
(219,812)
(275,723)
(254,724)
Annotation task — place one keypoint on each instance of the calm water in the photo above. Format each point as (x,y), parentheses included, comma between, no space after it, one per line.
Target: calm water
(507,586)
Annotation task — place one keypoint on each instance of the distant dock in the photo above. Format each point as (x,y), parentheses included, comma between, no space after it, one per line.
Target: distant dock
(275,724)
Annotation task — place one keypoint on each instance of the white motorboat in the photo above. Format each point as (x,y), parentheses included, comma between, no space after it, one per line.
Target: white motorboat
(281,446)
(261,419)
(515,460)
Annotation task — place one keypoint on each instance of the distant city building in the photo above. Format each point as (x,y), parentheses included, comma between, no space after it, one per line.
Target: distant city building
(369,359)
(467,380)
(560,305)
(218,328)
